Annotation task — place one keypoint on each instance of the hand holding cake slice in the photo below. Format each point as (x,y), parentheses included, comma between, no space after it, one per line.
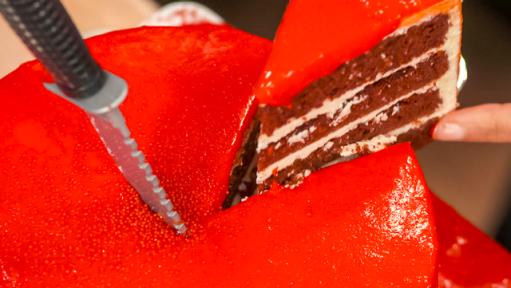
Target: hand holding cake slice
(347,78)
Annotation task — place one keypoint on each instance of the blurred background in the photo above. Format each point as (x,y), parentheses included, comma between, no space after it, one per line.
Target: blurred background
(474,178)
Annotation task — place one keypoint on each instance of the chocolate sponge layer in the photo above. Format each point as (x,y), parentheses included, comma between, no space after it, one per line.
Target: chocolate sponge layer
(409,109)
(376,96)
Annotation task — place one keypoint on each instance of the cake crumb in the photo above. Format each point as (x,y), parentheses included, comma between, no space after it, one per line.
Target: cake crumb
(328,146)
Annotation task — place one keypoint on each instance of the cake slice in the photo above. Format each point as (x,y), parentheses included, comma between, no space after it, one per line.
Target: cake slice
(346,78)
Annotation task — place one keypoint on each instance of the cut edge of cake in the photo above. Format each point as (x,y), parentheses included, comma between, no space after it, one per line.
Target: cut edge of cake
(320,128)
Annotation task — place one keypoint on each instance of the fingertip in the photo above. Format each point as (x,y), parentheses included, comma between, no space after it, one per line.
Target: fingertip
(448,131)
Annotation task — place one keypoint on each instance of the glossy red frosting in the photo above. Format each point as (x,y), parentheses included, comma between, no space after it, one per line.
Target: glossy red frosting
(330,230)
(317,36)
(467,257)
(188,106)
(69,219)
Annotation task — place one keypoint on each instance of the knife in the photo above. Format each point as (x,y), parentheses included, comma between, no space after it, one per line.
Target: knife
(48,31)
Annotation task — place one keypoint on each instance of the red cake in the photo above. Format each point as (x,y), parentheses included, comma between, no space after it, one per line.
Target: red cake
(466,256)
(50,133)
(346,78)
(68,218)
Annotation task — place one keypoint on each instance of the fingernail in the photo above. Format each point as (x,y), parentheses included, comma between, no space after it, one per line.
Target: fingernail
(449,132)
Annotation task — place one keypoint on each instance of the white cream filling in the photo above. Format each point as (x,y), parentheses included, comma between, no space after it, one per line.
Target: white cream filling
(375,144)
(447,89)
(346,110)
(299,137)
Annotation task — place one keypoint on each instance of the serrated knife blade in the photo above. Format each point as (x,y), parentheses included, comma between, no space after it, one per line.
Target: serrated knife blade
(116,136)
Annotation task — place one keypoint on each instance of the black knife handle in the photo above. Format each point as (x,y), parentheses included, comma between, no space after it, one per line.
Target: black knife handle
(48,31)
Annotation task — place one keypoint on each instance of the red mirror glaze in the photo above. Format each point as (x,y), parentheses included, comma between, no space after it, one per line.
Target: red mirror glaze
(188,106)
(330,230)
(69,219)
(466,256)
(317,36)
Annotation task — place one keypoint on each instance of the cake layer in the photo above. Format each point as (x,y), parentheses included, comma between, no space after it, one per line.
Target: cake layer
(394,92)
(372,98)
(368,135)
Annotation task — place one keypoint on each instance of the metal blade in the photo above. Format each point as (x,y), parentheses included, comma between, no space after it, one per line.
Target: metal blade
(116,136)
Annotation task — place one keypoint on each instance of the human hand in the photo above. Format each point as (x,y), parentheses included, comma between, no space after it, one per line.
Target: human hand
(484,123)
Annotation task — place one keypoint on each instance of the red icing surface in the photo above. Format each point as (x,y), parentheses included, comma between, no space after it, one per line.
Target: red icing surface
(467,257)
(68,218)
(188,105)
(317,36)
(322,233)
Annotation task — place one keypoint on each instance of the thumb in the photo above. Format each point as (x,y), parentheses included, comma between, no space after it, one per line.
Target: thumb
(484,123)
